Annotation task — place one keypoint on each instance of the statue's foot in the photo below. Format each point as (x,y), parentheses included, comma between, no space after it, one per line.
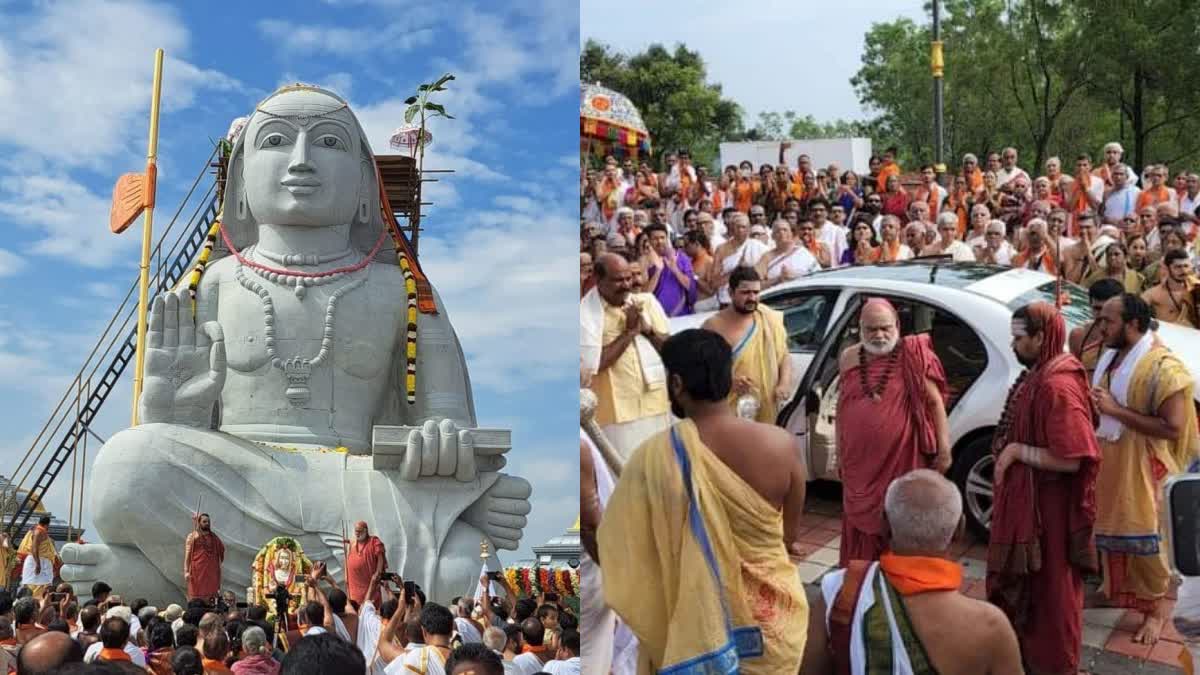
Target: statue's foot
(500,512)
(122,567)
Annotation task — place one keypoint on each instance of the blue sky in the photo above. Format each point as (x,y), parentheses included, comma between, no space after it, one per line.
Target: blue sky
(74,100)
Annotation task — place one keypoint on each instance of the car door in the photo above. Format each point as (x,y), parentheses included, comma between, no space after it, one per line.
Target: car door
(801,416)
(806,315)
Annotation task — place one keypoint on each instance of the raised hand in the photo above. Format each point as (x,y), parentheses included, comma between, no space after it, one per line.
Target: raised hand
(185,366)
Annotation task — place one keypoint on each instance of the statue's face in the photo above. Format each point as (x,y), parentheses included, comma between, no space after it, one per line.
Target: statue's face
(303,161)
(284,559)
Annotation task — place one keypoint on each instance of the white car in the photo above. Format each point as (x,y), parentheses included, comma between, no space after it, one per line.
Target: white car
(966,308)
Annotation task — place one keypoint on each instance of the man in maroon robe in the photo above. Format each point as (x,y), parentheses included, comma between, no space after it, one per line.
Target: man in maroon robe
(365,559)
(1047,459)
(202,557)
(891,419)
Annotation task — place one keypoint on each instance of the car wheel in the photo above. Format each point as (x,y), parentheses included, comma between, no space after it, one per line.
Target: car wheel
(972,473)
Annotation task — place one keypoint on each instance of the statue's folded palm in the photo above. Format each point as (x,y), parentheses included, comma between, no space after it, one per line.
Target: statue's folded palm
(185,365)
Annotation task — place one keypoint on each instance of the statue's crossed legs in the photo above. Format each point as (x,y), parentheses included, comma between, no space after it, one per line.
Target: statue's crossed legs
(147,481)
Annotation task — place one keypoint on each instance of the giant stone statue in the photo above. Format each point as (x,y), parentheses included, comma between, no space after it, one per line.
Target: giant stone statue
(263,405)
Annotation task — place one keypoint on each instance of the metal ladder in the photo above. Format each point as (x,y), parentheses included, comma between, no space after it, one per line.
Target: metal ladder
(167,276)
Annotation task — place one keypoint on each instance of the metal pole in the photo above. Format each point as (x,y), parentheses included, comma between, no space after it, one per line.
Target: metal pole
(147,233)
(937,64)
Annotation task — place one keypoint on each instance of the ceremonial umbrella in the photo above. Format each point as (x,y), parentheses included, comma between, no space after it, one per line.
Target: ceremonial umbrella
(609,124)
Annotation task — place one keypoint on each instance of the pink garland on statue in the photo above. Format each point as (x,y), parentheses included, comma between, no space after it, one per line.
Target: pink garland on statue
(308,275)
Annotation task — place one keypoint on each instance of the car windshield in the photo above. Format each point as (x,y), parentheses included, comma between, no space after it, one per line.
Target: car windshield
(1076,309)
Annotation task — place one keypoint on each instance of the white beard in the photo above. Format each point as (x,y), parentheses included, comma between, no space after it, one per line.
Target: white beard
(880,348)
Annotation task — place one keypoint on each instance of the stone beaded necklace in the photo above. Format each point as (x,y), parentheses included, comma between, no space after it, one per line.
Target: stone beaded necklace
(298,369)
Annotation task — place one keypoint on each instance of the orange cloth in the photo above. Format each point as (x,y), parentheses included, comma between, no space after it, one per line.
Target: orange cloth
(912,574)
(108,654)
(1046,264)
(214,666)
(975,180)
(527,649)
(743,195)
(889,169)
(361,564)
(1153,197)
(205,552)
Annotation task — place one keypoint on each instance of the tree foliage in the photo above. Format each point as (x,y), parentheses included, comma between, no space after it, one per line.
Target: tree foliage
(775,126)
(678,105)
(1051,77)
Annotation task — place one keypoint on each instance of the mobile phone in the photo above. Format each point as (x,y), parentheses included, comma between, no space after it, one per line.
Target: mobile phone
(301,578)
(410,589)
(57,597)
(550,597)
(493,575)
(1183,523)
(388,576)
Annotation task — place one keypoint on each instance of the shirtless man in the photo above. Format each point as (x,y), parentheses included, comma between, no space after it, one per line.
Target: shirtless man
(950,632)
(1174,300)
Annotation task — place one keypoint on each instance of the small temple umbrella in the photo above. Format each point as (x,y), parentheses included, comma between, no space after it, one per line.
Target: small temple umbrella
(609,124)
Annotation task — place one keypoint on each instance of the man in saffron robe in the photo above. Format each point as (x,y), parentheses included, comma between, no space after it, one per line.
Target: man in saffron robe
(1047,458)
(365,559)
(1147,432)
(37,571)
(707,521)
(891,419)
(670,275)
(202,557)
(761,362)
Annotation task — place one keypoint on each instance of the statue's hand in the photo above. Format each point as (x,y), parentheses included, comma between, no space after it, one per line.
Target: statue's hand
(185,365)
(440,449)
(500,512)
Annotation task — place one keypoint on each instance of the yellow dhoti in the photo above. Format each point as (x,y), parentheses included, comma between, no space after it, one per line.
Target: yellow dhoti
(701,576)
(1129,485)
(758,356)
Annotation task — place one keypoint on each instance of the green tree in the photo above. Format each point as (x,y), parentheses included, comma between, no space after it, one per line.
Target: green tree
(680,108)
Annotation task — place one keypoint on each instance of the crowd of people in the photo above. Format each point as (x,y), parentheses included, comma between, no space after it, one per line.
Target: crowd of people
(689,481)
(683,231)
(380,627)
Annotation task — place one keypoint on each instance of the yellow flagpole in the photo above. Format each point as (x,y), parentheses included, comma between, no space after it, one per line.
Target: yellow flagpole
(147,234)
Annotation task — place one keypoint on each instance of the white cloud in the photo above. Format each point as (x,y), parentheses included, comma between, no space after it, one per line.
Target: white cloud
(514,311)
(290,37)
(10,263)
(80,96)
(72,218)
(102,289)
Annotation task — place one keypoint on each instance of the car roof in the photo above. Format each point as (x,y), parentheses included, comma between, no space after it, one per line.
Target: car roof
(995,282)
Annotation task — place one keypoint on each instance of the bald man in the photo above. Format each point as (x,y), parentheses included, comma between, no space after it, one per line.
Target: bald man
(621,333)
(914,590)
(48,651)
(894,391)
(365,559)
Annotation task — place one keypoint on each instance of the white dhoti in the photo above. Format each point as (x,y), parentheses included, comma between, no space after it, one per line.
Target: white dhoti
(31,578)
(596,620)
(627,436)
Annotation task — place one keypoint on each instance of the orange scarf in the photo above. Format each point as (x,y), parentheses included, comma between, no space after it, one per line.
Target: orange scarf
(929,196)
(109,654)
(911,574)
(1153,197)
(213,665)
(892,251)
(533,650)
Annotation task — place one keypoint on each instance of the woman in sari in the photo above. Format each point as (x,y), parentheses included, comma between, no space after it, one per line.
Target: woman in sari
(1115,257)
(990,192)
(788,260)
(958,203)
(895,199)
(981,215)
(698,248)
(1139,256)
(864,248)
(849,195)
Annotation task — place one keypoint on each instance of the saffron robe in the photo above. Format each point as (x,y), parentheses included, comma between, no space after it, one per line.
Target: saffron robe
(1042,542)
(880,441)
(205,553)
(736,602)
(758,356)
(1132,473)
(360,567)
